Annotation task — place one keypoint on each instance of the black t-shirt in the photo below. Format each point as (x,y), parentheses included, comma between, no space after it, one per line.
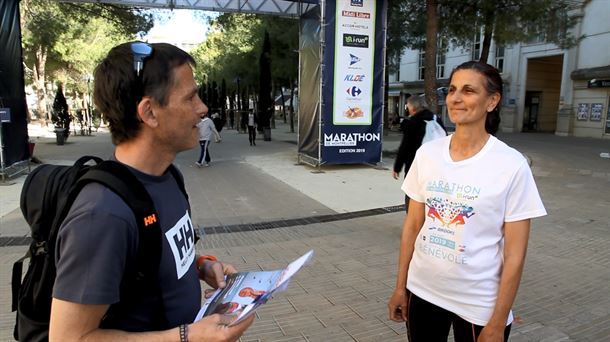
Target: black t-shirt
(98,242)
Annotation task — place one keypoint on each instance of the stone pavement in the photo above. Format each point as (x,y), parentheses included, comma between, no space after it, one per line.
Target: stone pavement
(256,193)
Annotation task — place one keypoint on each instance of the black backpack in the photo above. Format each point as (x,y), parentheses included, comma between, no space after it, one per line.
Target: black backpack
(47,195)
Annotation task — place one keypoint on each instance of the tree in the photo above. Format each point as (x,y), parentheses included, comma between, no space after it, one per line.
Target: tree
(61,115)
(235,45)
(414,24)
(265,108)
(510,21)
(68,39)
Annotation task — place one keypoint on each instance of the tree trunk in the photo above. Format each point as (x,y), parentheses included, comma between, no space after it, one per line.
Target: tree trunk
(486,41)
(39,76)
(430,58)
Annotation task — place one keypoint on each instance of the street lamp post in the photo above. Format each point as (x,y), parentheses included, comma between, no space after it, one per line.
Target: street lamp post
(238,123)
(89,112)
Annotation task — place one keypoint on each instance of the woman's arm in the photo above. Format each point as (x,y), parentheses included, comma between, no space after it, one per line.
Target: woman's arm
(397,304)
(516,235)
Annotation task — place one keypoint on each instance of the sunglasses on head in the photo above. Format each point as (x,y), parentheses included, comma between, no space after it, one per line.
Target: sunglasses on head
(140,52)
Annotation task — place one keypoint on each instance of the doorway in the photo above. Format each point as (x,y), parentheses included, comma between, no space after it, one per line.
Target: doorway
(531,110)
(542,94)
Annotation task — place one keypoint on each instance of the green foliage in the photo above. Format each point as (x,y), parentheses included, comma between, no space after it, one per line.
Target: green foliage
(233,46)
(65,41)
(406,28)
(510,21)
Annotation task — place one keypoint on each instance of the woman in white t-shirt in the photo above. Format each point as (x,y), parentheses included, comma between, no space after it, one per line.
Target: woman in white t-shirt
(465,236)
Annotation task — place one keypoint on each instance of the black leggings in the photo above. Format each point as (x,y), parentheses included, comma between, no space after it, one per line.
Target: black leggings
(427,322)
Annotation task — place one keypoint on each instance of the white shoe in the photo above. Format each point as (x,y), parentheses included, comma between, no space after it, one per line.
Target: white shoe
(207,164)
(198,164)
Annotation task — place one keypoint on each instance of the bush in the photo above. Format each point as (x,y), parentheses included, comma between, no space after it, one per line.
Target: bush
(60,115)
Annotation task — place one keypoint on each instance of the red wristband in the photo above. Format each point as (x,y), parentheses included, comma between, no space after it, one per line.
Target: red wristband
(203,258)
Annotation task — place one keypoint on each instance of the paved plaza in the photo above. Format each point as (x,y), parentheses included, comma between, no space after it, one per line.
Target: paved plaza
(265,210)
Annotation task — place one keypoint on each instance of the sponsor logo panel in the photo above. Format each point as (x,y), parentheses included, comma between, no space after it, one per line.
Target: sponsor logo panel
(355,40)
(355,14)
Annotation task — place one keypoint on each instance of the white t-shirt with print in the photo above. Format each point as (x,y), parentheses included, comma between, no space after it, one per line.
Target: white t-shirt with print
(458,253)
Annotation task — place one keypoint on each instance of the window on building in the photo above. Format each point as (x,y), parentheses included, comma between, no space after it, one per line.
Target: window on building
(441,54)
(422,63)
(476,46)
(500,58)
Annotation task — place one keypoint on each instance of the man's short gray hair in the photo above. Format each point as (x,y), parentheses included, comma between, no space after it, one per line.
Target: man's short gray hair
(418,102)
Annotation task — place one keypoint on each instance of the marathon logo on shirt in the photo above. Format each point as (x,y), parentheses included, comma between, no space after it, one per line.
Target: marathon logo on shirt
(181,239)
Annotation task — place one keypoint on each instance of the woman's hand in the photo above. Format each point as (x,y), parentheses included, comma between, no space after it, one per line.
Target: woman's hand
(397,305)
(492,334)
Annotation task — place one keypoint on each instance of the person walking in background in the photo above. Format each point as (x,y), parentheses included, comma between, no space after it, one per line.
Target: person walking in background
(149,96)
(252,123)
(413,130)
(465,236)
(206,130)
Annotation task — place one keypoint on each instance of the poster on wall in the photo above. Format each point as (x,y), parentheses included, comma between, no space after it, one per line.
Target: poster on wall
(596,111)
(582,113)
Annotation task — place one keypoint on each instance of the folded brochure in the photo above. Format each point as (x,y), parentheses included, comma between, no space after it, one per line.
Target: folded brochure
(246,291)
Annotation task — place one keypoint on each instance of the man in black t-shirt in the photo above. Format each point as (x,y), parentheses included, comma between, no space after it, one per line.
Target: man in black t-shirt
(149,97)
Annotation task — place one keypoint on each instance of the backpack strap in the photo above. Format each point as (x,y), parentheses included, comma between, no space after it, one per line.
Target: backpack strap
(143,280)
(125,184)
(179,179)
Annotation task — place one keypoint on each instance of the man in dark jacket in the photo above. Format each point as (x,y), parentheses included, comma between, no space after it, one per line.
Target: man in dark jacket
(413,129)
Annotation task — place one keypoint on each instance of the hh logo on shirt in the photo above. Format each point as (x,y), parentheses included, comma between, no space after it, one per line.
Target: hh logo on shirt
(181,239)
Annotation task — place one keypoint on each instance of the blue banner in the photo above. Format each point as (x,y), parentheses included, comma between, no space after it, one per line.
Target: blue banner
(352,96)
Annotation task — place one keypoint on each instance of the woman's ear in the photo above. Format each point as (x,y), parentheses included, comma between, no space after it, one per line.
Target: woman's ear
(494,101)
(146,112)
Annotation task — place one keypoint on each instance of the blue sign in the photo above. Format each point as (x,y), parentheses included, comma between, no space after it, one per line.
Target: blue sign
(352,96)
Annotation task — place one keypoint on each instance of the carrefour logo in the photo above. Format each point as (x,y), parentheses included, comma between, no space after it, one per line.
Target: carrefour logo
(357,3)
(354,78)
(353,59)
(354,91)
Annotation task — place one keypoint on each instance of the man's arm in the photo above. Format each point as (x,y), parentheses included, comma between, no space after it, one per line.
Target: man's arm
(80,322)
(397,304)
(516,235)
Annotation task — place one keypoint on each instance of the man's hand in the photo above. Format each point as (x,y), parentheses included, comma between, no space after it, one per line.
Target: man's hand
(216,328)
(213,273)
(397,305)
(395,174)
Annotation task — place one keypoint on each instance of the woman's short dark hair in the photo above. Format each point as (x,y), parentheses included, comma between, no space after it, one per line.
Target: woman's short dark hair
(492,86)
(118,90)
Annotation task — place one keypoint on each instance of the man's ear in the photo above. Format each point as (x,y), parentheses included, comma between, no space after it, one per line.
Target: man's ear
(146,112)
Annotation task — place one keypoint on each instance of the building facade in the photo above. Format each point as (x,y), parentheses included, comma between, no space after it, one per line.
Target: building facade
(546,89)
